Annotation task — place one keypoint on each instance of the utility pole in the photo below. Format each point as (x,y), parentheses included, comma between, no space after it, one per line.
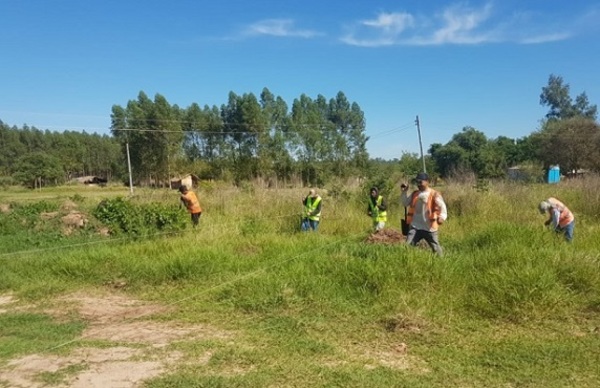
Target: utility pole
(420,143)
(129,169)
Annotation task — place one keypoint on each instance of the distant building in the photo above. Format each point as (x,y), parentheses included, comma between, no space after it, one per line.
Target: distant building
(189,180)
(91,180)
(576,173)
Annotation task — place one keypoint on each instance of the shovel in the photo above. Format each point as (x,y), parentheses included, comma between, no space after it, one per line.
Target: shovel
(404,224)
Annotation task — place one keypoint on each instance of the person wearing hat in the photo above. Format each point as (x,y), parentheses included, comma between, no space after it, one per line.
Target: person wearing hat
(560,217)
(190,201)
(426,211)
(311,214)
(377,209)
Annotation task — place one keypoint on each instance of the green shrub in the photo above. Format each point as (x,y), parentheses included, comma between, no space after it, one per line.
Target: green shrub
(125,217)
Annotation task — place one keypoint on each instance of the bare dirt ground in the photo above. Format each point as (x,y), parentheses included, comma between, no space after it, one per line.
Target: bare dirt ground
(114,318)
(134,348)
(386,236)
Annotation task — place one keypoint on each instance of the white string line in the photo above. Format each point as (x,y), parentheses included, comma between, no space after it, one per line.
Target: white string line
(210,289)
(68,246)
(143,237)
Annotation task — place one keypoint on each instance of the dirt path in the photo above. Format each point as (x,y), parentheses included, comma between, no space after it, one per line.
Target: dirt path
(140,350)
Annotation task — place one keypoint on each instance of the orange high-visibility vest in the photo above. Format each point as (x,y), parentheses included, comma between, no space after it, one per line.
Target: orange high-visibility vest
(432,209)
(565,217)
(191,202)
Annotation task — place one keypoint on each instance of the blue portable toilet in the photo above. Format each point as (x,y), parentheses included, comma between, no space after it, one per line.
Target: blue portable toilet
(554,174)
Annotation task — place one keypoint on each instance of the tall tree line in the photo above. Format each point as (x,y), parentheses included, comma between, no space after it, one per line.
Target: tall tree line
(247,138)
(261,137)
(33,157)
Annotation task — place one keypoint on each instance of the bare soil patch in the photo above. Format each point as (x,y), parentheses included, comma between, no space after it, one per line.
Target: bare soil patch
(114,318)
(5,300)
(386,236)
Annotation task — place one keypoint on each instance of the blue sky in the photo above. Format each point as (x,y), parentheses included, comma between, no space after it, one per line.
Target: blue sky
(65,63)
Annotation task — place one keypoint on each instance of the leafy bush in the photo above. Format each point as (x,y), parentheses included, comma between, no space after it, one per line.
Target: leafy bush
(123,216)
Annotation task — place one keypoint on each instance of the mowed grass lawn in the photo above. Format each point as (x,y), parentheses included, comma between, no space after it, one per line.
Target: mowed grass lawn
(247,300)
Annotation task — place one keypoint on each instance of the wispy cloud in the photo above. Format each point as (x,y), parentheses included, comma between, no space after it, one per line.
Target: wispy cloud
(391,23)
(456,24)
(279,28)
(537,39)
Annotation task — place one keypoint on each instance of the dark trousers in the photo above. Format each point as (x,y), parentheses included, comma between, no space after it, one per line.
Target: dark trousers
(196,218)
(416,235)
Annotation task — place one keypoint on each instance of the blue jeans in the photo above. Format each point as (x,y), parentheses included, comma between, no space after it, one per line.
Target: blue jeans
(567,230)
(309,224)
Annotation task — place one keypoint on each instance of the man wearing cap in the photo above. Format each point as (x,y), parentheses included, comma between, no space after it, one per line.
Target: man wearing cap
(311,214)
(377,209)
(560,217)
(426,211)
(190,201)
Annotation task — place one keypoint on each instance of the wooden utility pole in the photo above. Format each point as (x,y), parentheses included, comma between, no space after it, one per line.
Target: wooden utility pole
(129,169)
(420,143)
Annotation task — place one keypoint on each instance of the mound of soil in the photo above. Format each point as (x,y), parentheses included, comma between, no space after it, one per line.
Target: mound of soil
(74,220)
(386,236)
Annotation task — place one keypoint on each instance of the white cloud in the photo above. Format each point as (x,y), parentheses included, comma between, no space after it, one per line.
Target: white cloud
(460,26)
(537,39)
(388,27)
(456,24)
(393,23)
(278,27)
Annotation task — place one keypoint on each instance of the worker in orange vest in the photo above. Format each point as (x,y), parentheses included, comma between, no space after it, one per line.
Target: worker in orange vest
(560,217)
(190,201)
(426,211)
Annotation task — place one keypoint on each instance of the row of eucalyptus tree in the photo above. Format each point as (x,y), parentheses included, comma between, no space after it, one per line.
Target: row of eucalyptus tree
(245,139)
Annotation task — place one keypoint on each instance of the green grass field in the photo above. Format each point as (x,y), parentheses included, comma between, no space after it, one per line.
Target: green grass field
(249,301)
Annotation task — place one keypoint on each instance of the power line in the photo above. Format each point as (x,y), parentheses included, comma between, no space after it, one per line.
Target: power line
(401,128)
(201,129)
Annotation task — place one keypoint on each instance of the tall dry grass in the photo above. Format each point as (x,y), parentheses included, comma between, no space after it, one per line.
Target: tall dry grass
(508,300)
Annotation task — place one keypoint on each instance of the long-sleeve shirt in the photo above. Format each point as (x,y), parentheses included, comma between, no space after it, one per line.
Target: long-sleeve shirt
(560,215)
(555,216)
(420,218)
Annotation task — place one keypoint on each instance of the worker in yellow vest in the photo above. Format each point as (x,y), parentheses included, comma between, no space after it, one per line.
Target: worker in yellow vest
(377,209)
(426,211)
(311,215)
(560,217)
(190,201)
